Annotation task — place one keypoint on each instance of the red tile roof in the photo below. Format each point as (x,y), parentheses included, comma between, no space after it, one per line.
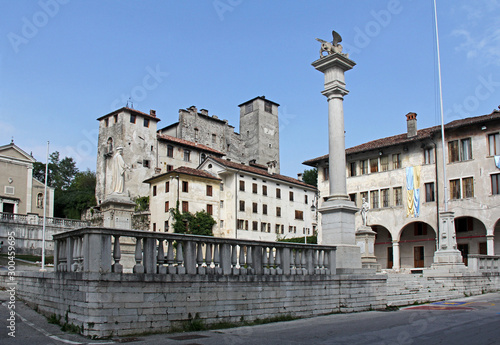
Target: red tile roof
(133,111)
(259,171)
(185,171)
(188,143)
(403,138)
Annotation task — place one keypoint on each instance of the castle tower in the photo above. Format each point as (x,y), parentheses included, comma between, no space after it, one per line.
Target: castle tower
(259,129)
(134,132)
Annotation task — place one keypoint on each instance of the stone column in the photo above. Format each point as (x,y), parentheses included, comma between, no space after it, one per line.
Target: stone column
(396,256)
(447,255)
(338,211)
(490,244)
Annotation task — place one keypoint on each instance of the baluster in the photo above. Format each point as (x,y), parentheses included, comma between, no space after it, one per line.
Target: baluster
(181,269)
(272,268)
(243,269)
(265,261)
(234,261)
(298,261)
(303,261)
(138,267)
(326,259)
(199,258)
(250,269)
(62,255)
(293,255)
(208,258)
(170,257)
(279,269)
(74,264)
(117,255)
(161,258)
(321,262)
(217,268)
(315,253)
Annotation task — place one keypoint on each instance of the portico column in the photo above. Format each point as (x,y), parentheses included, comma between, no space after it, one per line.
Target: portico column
(337,212)
(490,244)
(396,255)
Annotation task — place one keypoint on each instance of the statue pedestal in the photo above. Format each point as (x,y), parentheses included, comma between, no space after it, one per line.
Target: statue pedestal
(337,229)
(365,239)
(117,211)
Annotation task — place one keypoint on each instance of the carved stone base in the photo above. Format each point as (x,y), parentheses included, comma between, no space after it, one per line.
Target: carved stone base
(365,239)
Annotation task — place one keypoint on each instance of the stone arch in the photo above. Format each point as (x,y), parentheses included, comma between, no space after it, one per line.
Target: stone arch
(496,238)
(383,246)
(417,244)
(471,236)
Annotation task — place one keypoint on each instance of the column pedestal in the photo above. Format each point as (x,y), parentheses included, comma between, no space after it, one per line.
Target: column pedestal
(117,212)
(365,240)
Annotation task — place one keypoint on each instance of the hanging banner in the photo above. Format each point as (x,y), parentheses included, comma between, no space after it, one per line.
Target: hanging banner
(413,191)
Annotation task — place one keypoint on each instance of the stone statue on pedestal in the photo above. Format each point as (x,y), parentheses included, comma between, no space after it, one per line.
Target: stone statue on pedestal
(118,172)
(364,211)
(331,47)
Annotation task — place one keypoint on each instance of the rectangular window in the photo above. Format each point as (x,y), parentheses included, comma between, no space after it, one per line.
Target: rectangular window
(132,118)
(116,118)
(210,209)
(209,190)
(278,193)
(305,199)
(495,184)
(374,201)
(465,149)
(167,187)
(242,205)
(248,108)
(214,138)
(246,224)
(396,161)
(398,196)
(255,226)
(364,167)
(455,189)
(364,195)
(255,207)
(385,197)
(166,226)
(268,107)
(196,134)
(263,227)
(429,156)
(254,188)
(154,190)
(170,167)
(299,215)
(464,224)
(352,197)
(352,169)
(185,186)
(242,186)
(221,223)
(241,223)
(453,155)
(468,187)
(146,122)
(494,144)
(145,163)
(291,196)
(373,165)
(326,173)
(264,190)
(277,228)
(384,163)
(187,155)
(170,151)
(222,204)
(154,226)
(185,206)
(290,228)
(420,229)
(106,122)
(264,209)
(167,208)
(429,192)
(278,211)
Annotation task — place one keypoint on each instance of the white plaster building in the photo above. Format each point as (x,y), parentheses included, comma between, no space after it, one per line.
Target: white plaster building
(20,193)
(382,170)
(246,201)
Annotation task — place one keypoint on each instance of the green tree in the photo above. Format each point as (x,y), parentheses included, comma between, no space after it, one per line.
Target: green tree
(60,174)
(79,196)
(200,223)
(310,176)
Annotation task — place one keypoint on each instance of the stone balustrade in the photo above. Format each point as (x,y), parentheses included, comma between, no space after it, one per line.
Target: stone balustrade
(100,250)
(35,219)
(484,263)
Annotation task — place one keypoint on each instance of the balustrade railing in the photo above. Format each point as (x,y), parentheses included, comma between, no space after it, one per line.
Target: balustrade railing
(35,219)
(100,250)
(484,263)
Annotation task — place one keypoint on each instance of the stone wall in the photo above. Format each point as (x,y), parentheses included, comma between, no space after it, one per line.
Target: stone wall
(117,304)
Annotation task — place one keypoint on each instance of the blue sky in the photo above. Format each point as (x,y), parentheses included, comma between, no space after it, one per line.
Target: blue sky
(64,63)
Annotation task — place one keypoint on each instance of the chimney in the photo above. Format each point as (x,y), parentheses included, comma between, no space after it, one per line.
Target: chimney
(299,177)
(204,112)
(152,112)
(411,124)
(271,167)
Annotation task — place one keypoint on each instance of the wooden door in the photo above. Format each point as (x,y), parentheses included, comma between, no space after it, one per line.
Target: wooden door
(418,256)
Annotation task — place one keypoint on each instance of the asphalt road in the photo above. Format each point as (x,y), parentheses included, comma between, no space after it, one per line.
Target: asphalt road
(473,320)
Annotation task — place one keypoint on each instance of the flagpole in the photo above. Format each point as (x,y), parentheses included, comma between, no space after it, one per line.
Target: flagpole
(45,208)
(442,112)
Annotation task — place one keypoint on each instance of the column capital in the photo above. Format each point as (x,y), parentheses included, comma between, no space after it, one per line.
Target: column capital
(335,91)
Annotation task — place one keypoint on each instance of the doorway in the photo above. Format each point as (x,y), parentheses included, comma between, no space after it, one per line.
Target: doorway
(464,249)
(418,256)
